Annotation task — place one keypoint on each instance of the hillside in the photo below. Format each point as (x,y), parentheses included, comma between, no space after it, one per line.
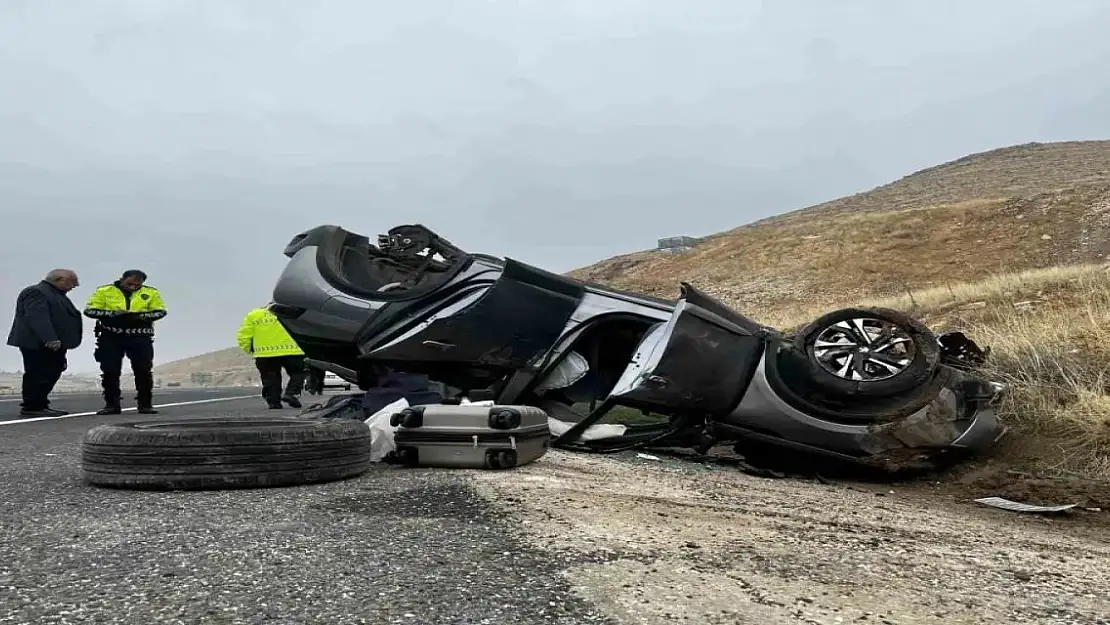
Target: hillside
(229,367)
(1015,171)
(1012,209)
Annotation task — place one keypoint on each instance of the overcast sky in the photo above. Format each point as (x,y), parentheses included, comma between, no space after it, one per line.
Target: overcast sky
(194,138)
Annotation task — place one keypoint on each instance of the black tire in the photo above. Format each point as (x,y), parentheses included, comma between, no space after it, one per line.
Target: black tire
(917,373)
(224,453)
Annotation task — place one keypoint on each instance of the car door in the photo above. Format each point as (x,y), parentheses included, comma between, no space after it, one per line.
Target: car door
(501,326)
(699,362)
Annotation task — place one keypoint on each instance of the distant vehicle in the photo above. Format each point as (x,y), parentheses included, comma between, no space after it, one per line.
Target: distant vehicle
(334,381)
(870,386)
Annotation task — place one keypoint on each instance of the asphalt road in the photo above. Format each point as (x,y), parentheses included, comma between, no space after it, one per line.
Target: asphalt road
(80,403)
(392,546)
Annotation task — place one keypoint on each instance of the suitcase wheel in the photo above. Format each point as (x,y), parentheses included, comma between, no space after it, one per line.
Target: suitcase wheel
(501,458)
(407,456)
(395,419)
(412,418)
(504,419)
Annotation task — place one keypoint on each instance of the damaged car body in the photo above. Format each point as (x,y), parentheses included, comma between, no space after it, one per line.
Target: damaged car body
(618,370)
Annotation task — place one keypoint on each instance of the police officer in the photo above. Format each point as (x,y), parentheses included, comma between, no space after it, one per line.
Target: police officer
(263,337)
(125,312)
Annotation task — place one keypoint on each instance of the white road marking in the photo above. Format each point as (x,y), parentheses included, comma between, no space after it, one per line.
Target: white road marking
(97,393)
(86,414)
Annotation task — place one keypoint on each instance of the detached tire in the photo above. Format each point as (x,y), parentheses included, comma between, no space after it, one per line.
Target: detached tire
(915,368)
(224,453)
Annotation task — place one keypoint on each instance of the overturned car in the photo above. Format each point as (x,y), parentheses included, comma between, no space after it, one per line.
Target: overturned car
(620,370)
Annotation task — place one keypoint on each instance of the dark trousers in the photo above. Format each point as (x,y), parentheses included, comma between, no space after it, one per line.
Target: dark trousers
(139,351)
(270,371)
(41,370)
(314,380)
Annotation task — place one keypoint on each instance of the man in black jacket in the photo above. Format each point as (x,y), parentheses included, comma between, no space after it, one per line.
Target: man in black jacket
(46,326)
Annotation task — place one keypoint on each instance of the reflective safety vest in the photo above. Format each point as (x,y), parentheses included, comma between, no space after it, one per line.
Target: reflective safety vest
(263,336)
(146,303)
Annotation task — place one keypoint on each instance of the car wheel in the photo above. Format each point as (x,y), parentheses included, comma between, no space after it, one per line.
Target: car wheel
(868,351)
(224,453)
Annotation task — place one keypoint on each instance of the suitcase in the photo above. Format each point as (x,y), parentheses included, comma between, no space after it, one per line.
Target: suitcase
(469,437)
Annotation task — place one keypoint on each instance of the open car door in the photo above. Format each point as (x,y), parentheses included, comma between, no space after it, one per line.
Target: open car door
(503,326)
(697,364)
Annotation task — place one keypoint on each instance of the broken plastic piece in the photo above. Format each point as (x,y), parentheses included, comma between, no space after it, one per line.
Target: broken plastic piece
(1014,506)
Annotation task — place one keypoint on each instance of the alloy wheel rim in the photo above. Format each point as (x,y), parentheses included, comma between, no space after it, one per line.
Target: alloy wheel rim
(864,349)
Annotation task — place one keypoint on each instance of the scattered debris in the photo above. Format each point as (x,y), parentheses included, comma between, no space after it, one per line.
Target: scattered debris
(648,457)
(1014,506)
(721,457)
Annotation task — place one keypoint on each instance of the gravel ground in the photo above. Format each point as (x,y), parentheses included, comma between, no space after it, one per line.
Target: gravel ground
(394,546)
(711,546)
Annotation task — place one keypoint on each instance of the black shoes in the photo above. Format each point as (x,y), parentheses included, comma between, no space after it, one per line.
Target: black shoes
(276,406)
(291,400)
(44,412)
(144,407)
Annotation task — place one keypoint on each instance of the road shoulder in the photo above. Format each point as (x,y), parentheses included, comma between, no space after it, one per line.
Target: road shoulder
(707,545)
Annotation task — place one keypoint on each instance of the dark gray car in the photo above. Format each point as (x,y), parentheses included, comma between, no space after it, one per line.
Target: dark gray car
(618,370)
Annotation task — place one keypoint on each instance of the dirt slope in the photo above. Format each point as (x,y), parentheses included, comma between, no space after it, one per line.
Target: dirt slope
(1008,210)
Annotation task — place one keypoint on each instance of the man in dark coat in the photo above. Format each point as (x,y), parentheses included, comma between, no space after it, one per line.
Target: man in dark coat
(46,326)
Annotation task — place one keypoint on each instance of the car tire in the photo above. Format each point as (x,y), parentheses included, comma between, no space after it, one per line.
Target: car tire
(224,453)
(917,372)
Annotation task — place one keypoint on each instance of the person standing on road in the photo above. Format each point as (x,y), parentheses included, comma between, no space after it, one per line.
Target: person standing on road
(314,380)
(46,326)
(125,312)
(264,338)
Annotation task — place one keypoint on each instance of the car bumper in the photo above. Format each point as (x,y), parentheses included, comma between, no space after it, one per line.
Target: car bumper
(939,434)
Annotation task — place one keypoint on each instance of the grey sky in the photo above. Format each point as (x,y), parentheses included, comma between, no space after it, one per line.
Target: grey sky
(193,138)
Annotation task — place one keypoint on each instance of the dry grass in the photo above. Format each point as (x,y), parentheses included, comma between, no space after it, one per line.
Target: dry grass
(1049,331)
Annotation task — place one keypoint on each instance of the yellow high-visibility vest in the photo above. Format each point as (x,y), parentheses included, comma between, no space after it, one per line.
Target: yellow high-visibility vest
(145,305)
(111,297)
(263,336)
